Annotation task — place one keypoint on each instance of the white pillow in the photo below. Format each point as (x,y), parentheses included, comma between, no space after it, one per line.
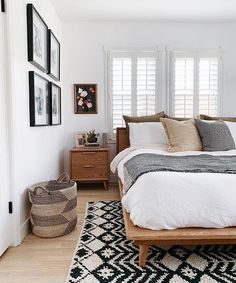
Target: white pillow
(232,128)
(148,133)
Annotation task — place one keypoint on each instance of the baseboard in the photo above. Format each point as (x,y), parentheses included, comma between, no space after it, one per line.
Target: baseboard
(24,229)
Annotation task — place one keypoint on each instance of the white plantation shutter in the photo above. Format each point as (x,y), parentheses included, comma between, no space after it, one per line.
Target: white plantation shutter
(195,83)
(132,86)
(183,87)
(208,86)
(146,86)
(121,90)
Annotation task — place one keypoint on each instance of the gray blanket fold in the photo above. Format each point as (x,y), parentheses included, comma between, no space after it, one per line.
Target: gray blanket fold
(149,162)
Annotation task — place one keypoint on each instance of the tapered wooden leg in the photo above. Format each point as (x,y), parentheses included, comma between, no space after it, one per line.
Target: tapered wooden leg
(105,185)
(143,252)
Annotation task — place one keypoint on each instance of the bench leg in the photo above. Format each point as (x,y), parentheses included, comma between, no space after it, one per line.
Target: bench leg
(143,252)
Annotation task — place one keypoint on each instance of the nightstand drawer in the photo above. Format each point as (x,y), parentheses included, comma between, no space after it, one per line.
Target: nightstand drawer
(89,158)
(89,171)
(90,165)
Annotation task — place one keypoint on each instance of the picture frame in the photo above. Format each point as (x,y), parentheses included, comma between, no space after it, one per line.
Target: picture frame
(80,139)
(37,34)
(39,100)
(55,104)
(54,53)
(85,98)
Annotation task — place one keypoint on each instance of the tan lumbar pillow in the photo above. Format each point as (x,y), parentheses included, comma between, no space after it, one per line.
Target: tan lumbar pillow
(182,136)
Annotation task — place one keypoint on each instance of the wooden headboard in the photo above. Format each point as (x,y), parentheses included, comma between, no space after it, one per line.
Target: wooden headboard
(122,139)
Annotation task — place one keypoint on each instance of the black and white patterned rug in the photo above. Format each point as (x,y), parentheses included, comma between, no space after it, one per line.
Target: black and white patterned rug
(104,255)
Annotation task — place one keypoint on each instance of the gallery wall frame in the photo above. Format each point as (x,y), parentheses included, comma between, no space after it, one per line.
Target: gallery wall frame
(39,99)
(54,55)
(55,104)
(3,6)
(85,98)
(37,35)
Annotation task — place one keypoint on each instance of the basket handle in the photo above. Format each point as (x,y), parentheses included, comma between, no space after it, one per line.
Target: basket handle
(40,189)
(64,178)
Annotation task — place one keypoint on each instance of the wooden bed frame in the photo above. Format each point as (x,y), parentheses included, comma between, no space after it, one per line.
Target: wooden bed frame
(183,236)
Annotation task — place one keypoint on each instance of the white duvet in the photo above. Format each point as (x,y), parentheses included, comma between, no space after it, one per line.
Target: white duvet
(169,200)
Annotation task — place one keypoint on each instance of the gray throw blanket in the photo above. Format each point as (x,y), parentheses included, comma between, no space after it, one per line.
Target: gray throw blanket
(149,162)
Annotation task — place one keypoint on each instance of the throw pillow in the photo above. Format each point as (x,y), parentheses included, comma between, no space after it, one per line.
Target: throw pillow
(206,117)
(142,119)
(182,136)
(215,136)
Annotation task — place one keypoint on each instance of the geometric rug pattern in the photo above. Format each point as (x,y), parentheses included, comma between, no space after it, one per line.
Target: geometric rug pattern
(104,255)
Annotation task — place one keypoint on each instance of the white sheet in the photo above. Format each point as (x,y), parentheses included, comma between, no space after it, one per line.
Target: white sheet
(169,200)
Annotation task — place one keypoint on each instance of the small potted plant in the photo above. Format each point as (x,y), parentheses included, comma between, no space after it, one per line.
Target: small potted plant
(92,136)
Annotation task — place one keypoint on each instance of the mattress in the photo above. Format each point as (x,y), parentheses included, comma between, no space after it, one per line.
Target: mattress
(170,200)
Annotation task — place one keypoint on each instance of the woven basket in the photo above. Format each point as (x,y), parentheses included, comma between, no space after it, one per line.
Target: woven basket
(53,209)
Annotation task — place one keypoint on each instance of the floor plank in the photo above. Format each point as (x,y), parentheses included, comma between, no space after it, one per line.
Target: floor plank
(40,260)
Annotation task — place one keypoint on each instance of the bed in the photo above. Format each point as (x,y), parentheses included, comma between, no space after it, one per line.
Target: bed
(144,237)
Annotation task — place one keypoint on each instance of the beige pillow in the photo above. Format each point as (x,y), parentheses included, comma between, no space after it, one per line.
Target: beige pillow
(182,136)
(176,118)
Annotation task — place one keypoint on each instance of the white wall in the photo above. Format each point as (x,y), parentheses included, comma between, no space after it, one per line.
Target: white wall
(37,152)
(83,59)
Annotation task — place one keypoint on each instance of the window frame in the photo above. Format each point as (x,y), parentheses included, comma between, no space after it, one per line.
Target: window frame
(132,53)
(196,54)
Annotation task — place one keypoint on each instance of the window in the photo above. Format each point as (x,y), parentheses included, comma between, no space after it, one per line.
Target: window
(132,85)
(195,83)
(208,86)
(192,83)
(146,86)
(121,90)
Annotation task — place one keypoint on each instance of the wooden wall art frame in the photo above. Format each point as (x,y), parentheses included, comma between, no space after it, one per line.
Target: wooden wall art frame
(95,100)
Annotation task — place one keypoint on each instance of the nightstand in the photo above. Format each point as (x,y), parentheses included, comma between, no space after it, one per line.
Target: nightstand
(90,164)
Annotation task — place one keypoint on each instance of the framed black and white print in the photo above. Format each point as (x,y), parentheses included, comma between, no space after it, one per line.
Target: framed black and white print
(53,56)
(37,31)
(55,104)
(39,100)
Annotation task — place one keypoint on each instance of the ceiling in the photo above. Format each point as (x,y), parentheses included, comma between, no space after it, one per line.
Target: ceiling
(147,10)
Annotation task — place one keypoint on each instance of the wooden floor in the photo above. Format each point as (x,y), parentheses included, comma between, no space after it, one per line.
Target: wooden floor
(39,260)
